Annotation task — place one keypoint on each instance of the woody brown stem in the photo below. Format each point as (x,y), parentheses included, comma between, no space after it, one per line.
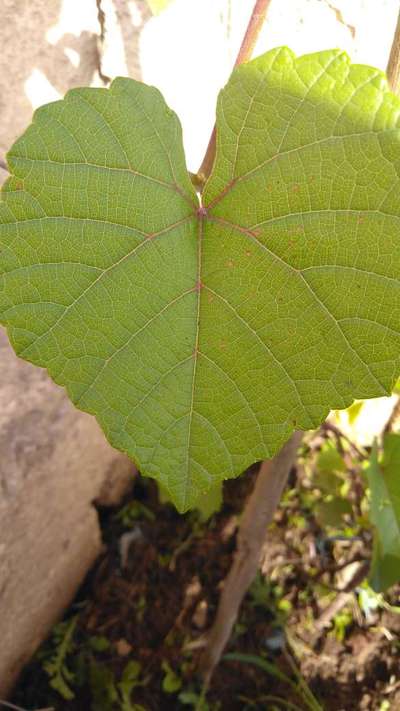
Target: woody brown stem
(393,66)
(245,52)
(258,514)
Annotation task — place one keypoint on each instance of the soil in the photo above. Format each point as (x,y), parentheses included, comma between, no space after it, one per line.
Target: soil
(153,594)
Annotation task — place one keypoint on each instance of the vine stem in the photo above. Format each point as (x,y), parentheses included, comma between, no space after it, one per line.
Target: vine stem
(393,66)
(245,53)
(257,515)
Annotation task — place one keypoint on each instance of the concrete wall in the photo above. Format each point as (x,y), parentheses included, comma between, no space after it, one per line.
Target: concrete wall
(54,460)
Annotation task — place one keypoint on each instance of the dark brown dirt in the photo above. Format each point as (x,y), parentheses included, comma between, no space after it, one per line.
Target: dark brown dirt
(156,608)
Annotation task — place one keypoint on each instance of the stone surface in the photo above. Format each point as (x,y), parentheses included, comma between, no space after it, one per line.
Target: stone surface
(54,463)
(54,460)
(32,64)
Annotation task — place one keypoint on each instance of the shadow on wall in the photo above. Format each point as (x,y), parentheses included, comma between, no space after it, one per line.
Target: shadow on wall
(131,17)
(34,70)
(25,48)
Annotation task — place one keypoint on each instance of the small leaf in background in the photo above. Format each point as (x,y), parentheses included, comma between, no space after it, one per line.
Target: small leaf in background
(99,643)
(354,410)
(171,682)
(330,513)
(130,674)
(130,679)
(329,466)
(341,622)
(258,661)
(327,473)
(157,6)
(384,483)
(103,688)
(61,683)
(191,698)
(61,677)
(133,511)
(329,459)
(369,601)
(326,482)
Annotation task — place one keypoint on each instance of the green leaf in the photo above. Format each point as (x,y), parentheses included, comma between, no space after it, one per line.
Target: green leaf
(171,682)
(63,645)
(133,511)
(354,411)
(130,680)
(102,686)
(201,338)
(157,6)
(191,698)
(210,503)
(384,483)
(271,669)
(99,643)
(327,482)
(206,504)
(329,460)
(330,513)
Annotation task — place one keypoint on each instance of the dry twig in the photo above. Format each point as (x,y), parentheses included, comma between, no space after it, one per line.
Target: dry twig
(245,52)
(258,514)
(393,66)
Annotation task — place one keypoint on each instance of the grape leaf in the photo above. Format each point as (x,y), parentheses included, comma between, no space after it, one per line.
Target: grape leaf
(201,336)
(384,483)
